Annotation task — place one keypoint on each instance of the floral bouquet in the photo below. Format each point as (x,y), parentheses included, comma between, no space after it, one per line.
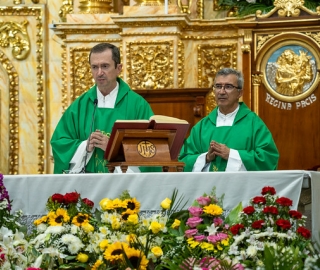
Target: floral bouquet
(200,237)
(62,235)
(126,239)
(13,245)
(269,235)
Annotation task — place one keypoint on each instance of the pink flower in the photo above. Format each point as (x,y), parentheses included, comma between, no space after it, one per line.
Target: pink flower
(204,200)
(199,238)
(217,221)
(190,233)
(195,211)
(194,222)
(216,238)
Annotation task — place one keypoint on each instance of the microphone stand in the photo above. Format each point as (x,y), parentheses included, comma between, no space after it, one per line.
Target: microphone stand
(95,103)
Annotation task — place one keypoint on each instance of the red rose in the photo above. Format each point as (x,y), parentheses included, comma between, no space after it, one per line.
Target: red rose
(258,224)
(284,224)
(88,202)
(304,232)
(295,214)
(259,200)
(71,197)
(236,228)
(268,190)
(249,210)
(283,201)
(58,198)
(270,209)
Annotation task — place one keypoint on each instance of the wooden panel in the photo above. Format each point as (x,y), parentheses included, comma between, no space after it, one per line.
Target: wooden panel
(296,131)
(187,103)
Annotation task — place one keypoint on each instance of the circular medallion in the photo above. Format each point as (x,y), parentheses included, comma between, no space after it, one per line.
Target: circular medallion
(146,149)
(290,70)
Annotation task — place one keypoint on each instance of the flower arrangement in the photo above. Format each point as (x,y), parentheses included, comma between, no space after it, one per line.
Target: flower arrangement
(247,7)
(266,234)
(127,239)
(62,235)
(269,235)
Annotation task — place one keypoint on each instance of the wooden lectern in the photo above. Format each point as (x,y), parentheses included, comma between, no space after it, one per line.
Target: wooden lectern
(146,143)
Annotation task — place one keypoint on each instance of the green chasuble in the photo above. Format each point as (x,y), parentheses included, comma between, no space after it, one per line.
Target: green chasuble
(248,135)
(74,126)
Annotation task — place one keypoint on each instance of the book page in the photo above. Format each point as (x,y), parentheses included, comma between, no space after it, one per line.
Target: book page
(167,119)
(132,121)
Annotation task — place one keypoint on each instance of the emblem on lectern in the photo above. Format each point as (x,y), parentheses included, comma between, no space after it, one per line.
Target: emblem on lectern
(146,149)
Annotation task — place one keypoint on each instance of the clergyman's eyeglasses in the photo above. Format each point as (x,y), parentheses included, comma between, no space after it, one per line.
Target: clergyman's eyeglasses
(227,87)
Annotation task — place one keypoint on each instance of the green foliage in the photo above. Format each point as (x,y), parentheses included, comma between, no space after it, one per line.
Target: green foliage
(244,7)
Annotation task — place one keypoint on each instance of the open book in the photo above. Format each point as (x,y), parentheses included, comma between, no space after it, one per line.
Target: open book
(156,122)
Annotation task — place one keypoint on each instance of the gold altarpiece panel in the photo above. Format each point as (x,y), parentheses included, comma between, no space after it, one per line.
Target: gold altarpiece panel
(23,98)
(212,58)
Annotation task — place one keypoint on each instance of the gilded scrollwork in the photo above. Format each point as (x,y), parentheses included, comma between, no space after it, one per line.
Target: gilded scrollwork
(81,73)
(66,8)
(262,39)
(13,110)
(180,64)
(289,8)
(15,35)
(150,65)
(212,58)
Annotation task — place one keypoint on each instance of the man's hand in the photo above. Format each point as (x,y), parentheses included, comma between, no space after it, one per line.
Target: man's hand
(97,139)
(217,149)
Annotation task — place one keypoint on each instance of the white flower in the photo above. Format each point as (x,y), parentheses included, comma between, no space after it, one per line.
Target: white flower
(212,230)
(251,251)
(251,1)
(75,247)
(55,230)
(41,228)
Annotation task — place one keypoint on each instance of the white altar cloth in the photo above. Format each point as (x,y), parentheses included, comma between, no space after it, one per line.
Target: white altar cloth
(30,192)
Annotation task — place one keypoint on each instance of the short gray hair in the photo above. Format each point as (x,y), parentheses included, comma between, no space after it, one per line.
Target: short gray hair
(228,71)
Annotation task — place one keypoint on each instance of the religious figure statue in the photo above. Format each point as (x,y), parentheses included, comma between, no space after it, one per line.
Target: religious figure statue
(293,72)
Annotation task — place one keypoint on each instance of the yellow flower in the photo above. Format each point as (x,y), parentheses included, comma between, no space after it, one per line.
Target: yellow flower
(155,227)
(82,257)
(213,209)
(175,224)
(192,243)
(104,244)
(135,256)
(59,217)
(157,251)
(165,204)
(40,220)
(80,219)
(105,204)
(132,205)
(87,227)
(131,237)
(114,252)
(115,224)
(96,265)
(134,219)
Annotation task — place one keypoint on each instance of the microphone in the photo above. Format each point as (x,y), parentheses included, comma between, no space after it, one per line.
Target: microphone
(95,103)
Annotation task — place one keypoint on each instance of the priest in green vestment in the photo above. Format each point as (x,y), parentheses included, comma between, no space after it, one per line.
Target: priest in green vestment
(74,148)
(231,137)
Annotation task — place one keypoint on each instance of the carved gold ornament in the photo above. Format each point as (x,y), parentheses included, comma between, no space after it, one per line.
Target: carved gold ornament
(66,8)
(15,35)
(95,6)
(150,65)
(289,8)
(146,149)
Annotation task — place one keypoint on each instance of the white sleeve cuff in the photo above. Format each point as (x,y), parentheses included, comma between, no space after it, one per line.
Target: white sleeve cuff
(200,165)
(234,162)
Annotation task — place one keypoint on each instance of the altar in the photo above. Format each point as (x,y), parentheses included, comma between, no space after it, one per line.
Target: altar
(30,193)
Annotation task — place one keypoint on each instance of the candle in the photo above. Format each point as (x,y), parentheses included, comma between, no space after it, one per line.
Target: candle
(165,6)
